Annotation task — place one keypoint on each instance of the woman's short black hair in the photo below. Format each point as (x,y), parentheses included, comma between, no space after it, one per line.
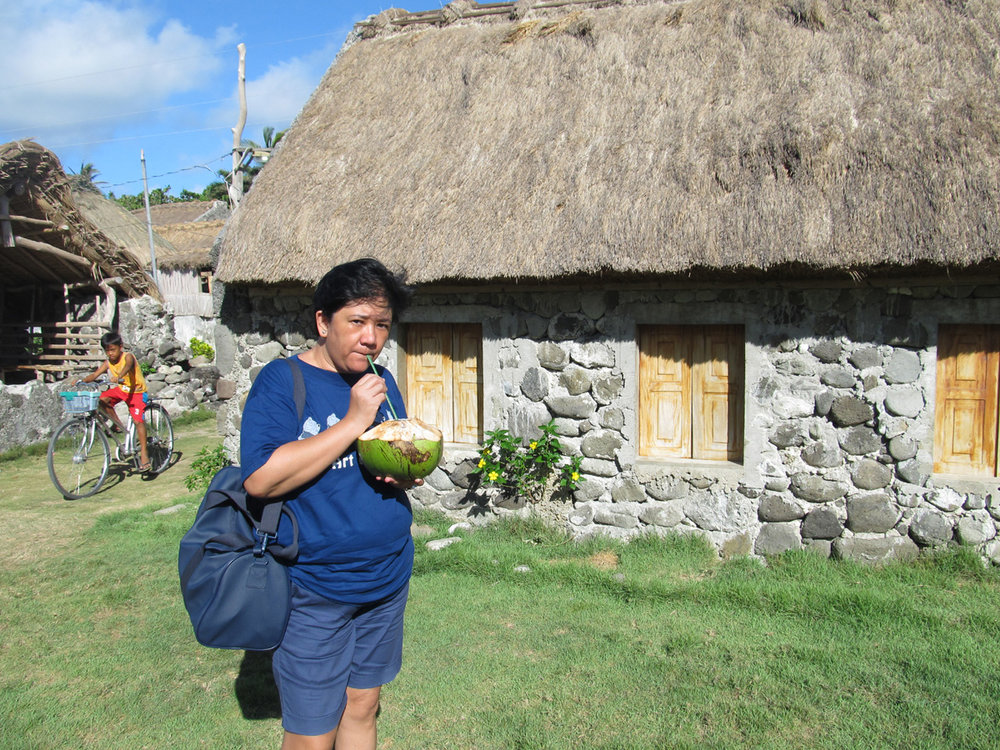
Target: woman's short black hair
(357,281)
(111,338)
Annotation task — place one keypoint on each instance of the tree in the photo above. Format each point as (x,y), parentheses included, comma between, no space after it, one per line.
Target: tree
(86,178)
(215,191)
(157,196)
(88,173)
(260,154)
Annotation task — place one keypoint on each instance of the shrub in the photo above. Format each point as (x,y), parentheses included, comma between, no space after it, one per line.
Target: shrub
(527,468)
(201,349)
(204,467)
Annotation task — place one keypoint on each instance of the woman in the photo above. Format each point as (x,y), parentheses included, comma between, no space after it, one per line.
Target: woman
(350,583)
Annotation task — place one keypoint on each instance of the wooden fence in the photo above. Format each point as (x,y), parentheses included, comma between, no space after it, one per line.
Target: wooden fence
(51,350)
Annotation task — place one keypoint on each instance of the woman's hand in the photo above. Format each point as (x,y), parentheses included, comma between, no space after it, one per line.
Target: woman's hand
(401,484)
(367,396)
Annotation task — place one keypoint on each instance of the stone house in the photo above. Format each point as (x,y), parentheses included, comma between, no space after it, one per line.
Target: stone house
(744,255)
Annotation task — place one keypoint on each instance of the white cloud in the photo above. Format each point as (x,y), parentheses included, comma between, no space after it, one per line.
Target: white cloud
(279,94)
(276,97)
(78,69)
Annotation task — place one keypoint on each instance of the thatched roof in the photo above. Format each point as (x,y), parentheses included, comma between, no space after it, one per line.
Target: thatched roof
(192,243)
(641,136)
(183,212)
(190,227)
(55,240)
(129,232)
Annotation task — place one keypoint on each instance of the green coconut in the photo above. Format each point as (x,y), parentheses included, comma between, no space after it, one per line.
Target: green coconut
(403,449)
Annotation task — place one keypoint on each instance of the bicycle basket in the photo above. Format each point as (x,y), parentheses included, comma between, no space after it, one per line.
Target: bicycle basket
(77,402)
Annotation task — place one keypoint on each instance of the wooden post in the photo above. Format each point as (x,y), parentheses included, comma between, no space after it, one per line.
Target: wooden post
(66,307)
(6,229)
(236,186)
(149,221)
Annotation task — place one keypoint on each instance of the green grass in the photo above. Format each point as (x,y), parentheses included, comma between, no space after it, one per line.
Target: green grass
(655,644)
(193,417)
(187,419)
(24,451)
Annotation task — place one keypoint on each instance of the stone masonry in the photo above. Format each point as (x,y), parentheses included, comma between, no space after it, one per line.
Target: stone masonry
(838,398)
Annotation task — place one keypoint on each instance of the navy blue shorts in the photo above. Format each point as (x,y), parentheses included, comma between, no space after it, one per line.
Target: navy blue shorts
(330,646)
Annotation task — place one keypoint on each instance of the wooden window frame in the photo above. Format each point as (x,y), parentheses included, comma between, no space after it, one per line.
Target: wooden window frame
(966,397)
(440,388)
(691,402)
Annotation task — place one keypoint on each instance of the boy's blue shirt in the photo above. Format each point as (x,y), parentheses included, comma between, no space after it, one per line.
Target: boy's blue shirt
(354,532)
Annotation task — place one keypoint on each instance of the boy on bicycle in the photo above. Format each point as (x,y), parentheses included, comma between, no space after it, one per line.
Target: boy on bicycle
(130,387)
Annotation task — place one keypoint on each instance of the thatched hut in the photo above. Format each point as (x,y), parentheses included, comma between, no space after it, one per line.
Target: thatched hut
(61,271)
(128,232)
(744,253)
(185,273)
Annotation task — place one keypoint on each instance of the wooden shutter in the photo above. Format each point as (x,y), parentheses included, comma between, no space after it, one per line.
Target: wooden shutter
(965,423)
(691,392)
(428,391)
(665,391)
(717,393)
(467,378)
(444,378)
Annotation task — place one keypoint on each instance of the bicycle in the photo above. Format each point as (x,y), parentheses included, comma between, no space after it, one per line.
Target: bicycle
(79,453)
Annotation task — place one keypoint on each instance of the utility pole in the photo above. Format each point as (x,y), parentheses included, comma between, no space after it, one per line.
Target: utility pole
(149,221)
(236,186)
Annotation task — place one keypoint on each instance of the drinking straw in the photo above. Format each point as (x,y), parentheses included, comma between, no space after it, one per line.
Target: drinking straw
(386,395)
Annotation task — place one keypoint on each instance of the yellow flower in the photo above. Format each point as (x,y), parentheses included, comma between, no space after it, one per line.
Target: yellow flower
(533,444)
(482,462)
(575,475)
(493,476)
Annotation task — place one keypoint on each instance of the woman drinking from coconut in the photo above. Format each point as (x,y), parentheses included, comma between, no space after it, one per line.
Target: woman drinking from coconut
(350,582)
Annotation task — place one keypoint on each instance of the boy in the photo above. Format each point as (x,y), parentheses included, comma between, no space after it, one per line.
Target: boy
(130,387)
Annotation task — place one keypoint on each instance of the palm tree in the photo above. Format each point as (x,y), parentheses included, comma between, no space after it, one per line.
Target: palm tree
(88,172)
(86,178)
(262,153)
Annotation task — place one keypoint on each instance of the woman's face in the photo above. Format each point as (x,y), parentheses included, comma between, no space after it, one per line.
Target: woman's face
(353,333)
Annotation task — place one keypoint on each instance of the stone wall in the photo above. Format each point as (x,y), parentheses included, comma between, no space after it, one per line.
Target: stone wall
(177,379)
(28,414)
(838,397)
(256,326)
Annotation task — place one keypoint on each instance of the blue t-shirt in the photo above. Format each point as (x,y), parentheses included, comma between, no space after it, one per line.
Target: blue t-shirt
(354,532)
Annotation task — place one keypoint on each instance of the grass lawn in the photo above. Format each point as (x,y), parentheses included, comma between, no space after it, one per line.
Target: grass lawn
(515,638)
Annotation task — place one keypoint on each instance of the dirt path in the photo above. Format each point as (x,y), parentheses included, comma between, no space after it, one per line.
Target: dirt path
(37,518)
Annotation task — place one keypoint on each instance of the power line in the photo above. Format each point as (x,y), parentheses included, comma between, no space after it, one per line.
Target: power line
(101,72)
(138,137)
(150,64)
(114,117)
(135,137)
(175,171)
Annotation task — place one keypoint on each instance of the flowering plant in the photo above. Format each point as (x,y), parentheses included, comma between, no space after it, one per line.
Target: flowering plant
(527,467)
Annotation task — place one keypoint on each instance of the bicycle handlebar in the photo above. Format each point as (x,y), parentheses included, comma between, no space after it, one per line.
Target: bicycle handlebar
(96,383)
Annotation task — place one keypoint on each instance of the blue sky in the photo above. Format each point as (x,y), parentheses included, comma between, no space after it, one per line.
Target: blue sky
(96,82)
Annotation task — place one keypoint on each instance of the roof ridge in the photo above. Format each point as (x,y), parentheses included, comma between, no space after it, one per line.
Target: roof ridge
(459,9)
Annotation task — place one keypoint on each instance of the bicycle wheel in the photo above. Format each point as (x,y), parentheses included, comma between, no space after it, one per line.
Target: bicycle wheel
(78,458)
(159,437)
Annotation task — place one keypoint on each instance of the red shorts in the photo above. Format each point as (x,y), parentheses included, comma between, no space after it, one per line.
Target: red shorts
(136,402)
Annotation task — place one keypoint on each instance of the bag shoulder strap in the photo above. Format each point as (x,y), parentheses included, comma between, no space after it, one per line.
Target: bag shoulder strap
(271,515)
(298,386)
